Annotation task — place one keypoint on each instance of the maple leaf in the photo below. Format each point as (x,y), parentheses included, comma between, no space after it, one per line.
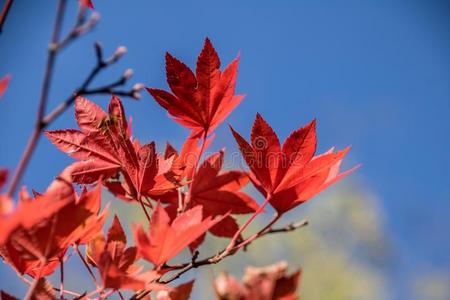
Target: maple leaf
(219,193)
(5,296)
(290,174)
(104,148)
(181,292)
(87,3)
(6,203)
(200,101)
(180,169)
(166,239)
(226,287)
(39,232)
(4,84)
(116,262)
(267,283)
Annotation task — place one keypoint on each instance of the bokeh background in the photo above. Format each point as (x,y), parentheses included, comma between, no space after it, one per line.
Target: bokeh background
(375,74)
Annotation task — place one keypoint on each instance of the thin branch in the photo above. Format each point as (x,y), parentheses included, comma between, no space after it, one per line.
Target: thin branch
(80,28)
(84,89)
(68,292)
(236,236)
(35,282)
(43,121)
(144,209)
(289,228)
(194,263)
(4,13)
(120,295)
(43,98)
(61,278)
(85,263)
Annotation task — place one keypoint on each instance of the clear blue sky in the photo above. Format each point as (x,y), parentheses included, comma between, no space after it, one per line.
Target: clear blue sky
(375,74)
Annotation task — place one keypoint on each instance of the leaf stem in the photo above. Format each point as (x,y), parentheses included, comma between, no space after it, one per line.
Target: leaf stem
(91,273)
(147,215)
(61,286)
(35,282)
(242,228)
(197,161)
(54,288)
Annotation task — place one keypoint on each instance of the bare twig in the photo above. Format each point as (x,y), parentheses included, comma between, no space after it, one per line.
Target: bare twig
(54,288)
(61,7)
(4,13)
(61,276)
(80,28)
(84,89)
(194,263)
(85,263)
(289,228)
(42,121)
(231,246)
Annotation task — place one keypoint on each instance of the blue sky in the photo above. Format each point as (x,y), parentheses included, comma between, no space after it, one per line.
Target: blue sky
(375,75)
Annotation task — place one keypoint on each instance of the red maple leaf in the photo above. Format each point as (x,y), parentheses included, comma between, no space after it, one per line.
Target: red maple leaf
(182,168)
(104,148)
(181,292)
(87,3)
(6,203)
(3,177)
(219,193)
(5,296)
(38,233)
(290,174)
(4,84)
(200,101)
(267,283)
(166,239)
(116,262)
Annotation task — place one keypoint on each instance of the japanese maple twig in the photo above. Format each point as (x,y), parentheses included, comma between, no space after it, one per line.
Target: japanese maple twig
(120,295)
(107,294)
(180,201)
(197,161)
(43,121)
(52,51)
(91,273)
(143,208)
(241,229)
(268,230)
(35,282)
(81,27)
(54,288)
(61,269)
(194,263)
(201,150)
(85,263)
(84,89)
(4,13)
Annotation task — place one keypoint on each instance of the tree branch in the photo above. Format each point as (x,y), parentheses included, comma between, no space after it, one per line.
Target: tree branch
(4,13)
(42,121)
(54,288)
(52,51)
(194,263)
